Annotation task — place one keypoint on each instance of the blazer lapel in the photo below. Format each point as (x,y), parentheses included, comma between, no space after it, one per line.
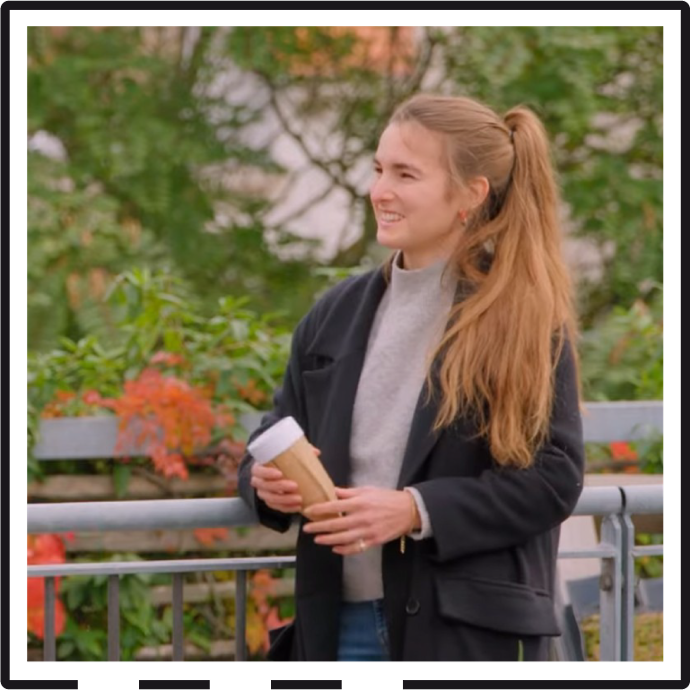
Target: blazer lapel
(348,354)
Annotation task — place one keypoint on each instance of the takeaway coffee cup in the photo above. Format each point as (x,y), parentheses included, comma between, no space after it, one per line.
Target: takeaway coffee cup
(285,446)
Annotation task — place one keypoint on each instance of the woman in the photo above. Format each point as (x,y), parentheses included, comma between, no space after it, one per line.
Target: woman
(442,392)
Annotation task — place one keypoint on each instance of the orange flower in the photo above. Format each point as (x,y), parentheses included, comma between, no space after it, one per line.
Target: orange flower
(262,615)
(209,535)
(623,453)
(35,615)
(172,418)
(622,450)
(251,393)
(43,549)
(92,397)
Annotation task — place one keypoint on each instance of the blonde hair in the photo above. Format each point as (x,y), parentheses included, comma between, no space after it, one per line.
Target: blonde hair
(504,337)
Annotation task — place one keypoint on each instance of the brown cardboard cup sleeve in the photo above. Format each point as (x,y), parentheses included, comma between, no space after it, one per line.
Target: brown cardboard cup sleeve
(285,446)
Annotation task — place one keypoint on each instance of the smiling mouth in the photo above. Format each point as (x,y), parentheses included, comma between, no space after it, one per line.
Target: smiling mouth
(388,217)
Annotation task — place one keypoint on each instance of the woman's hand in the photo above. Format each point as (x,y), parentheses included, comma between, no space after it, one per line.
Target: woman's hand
(371,516)
(275,490)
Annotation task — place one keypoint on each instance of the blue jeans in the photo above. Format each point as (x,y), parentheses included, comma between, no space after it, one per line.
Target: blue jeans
(363,632)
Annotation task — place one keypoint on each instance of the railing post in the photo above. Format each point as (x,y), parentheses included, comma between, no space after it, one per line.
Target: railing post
(240,615)
(178,621)
(610,592)
(113,617)
(49,620)
(628,589)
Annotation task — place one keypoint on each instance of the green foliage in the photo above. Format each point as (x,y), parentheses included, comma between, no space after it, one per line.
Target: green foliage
(86,599)
(232,349)
(145,143)
(34,472)
(622,355)
(650,450)
(76,241)
(229,347)
(623,359)
(158,166)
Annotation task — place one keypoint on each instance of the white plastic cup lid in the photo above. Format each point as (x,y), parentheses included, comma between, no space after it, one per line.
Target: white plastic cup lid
(275,440)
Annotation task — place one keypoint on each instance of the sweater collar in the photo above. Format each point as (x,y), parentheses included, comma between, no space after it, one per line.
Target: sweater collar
(419,282)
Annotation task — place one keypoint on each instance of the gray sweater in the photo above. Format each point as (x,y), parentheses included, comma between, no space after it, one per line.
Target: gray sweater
(408,324)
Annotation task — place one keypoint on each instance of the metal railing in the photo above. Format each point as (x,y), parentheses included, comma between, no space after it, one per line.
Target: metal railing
(617,551)
(616,505)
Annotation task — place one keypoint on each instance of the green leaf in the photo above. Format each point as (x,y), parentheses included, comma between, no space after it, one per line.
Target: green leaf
(65,648)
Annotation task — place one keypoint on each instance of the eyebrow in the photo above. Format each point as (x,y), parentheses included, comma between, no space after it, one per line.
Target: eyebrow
(401,166)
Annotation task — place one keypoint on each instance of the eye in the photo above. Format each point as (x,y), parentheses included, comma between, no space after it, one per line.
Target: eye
(377,171)
(407,176)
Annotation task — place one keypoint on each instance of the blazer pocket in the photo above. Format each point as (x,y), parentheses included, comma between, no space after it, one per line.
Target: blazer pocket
(502,606)
(281,641)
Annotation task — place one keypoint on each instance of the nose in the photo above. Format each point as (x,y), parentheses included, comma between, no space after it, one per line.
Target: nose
(380,190)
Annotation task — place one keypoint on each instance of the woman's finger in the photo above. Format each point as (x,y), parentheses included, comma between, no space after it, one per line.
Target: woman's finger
(281,500)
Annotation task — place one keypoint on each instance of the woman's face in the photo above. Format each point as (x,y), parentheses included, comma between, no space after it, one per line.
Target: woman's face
(415,211)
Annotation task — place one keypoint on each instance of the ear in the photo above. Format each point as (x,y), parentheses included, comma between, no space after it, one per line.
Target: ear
(477,191)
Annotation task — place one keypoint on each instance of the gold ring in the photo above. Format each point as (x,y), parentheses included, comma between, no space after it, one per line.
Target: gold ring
(362,545)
